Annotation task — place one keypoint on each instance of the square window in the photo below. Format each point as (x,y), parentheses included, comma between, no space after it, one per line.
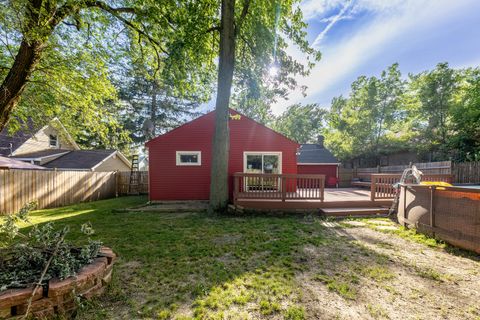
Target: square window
(189,158)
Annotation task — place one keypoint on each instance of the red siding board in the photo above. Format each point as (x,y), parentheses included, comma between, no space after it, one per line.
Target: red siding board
(171,182)
(329,170)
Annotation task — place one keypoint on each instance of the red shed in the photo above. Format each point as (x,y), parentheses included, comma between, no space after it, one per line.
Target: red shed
(314,158)
(179,160)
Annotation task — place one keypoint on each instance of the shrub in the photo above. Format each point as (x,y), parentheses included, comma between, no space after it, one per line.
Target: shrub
(24,256)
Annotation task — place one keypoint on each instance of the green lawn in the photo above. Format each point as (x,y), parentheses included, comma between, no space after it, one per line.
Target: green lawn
(192,265)
(169,261)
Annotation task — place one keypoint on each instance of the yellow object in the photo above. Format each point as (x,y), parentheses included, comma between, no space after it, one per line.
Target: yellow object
(435,183)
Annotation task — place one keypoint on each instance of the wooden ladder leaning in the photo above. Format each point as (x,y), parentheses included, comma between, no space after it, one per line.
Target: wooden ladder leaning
(133,186)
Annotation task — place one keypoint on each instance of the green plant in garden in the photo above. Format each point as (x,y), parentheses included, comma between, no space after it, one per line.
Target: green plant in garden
(42,253)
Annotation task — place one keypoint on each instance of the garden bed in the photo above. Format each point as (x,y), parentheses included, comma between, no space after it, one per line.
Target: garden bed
(58,297)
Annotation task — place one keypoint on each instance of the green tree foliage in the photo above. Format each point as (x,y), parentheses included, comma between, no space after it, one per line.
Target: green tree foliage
(363,123)
(465,128)
(59,58)
(433,93)
(434,113)
(302,123)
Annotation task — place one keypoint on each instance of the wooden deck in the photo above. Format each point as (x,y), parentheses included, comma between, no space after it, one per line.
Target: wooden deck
(333,198)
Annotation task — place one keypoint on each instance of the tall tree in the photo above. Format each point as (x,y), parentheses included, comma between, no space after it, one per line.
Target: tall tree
(251,28)
(434,92)
(464,140)
(33,25)
(362,124)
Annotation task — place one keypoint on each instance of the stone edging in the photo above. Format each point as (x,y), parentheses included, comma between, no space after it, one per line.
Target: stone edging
(58,296)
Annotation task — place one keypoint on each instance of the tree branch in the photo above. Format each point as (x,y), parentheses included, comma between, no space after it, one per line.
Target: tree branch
(116,13)
(216,28)
(238,26)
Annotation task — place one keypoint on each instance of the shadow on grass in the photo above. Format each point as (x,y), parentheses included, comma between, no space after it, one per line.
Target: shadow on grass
(196,265)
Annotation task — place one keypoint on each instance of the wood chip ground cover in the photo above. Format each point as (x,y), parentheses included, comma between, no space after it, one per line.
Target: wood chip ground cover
(195,266)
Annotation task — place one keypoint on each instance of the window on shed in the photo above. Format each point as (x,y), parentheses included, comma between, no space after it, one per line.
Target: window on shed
(189,158)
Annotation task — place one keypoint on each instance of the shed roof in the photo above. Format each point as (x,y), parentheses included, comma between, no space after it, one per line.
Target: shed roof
(41,153)
(315,153)
(9,163)
(80,159)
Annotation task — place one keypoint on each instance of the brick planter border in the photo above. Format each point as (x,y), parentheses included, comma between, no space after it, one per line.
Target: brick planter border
(58,296)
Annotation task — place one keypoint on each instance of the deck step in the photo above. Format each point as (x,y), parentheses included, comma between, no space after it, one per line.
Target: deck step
(354,211)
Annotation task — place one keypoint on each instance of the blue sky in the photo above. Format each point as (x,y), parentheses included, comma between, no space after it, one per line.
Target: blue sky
(363,37)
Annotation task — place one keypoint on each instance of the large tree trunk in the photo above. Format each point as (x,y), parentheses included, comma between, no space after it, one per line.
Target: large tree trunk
(14,83)
(221,139)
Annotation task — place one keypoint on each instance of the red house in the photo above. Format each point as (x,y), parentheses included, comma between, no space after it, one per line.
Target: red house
(179,160)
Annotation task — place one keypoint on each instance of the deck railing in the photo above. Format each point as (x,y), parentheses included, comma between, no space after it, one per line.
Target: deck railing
(282,187)
(382,183)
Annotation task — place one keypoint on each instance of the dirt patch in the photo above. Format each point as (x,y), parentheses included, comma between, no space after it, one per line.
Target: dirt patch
(227,239)
(173,206)
(367,274)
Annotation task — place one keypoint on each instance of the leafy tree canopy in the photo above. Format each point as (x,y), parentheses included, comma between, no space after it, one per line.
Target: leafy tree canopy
(302,123)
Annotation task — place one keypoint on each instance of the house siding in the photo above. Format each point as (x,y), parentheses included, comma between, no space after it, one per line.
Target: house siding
(328,170)
(113,164)
(41,141)
(171,182)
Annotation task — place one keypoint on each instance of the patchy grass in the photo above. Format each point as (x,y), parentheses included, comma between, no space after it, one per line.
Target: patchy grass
(197,266)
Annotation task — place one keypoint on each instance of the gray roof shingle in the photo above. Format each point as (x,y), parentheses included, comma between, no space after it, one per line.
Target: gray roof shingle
(314,153)
(41,153)
(80,159)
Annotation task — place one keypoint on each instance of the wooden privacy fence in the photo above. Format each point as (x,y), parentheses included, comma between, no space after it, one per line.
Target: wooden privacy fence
(448,213)
(123,183)
(381,186)
(282,187)
(52,188)
(440,167)
(466,172)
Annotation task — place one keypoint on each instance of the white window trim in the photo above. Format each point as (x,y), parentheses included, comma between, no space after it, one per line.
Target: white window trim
(197,153)
(260,153)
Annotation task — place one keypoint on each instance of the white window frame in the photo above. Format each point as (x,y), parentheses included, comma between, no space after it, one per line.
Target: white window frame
(262,153)
(190,153)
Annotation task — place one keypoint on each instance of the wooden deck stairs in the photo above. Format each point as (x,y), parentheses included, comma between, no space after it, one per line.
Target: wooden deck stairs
(354,211)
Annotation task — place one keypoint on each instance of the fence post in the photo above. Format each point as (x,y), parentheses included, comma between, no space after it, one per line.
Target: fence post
(372,187)
(432,212)
(116,184)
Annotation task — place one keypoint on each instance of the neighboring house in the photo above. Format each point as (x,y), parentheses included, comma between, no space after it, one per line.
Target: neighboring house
(314,158)
(180,160)
(9,163)
(52,147)
(94,160)
(37,145)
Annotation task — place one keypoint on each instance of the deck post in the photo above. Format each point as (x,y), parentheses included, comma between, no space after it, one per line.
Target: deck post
(323,188)
(284,189)
(235,189)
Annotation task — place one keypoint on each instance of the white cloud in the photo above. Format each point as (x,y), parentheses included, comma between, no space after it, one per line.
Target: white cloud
(368,41)
(333,20)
